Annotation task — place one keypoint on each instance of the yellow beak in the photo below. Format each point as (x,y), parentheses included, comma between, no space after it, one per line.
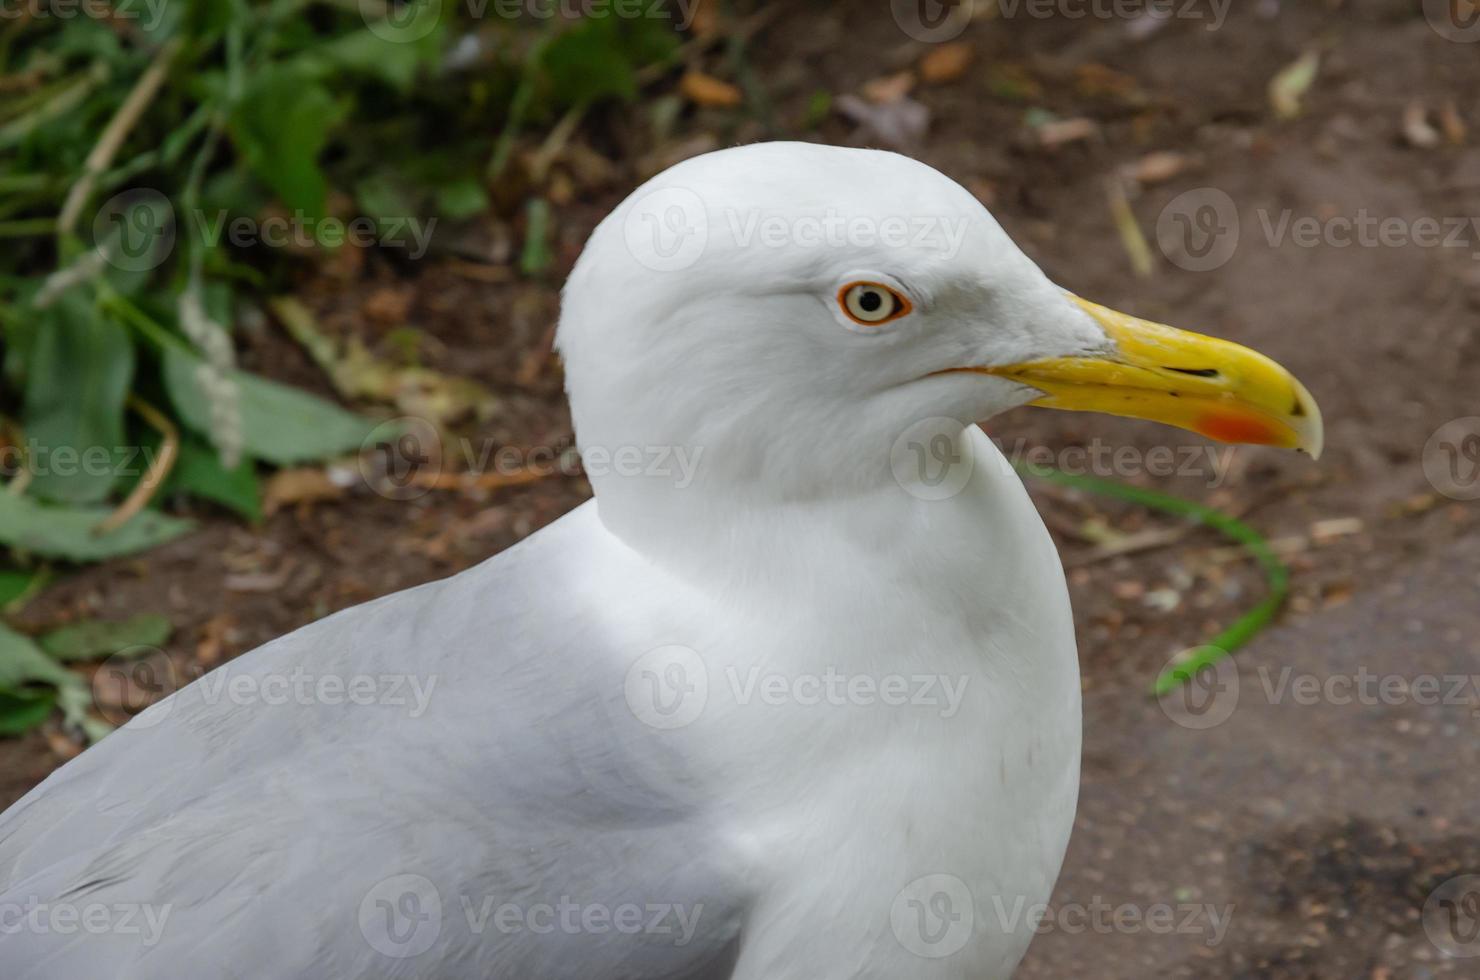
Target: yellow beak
(1210,386)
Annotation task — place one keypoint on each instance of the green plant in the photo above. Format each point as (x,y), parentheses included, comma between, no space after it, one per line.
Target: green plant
(146,159)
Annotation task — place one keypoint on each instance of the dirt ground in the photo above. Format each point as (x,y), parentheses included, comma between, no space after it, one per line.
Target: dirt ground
(1323,828)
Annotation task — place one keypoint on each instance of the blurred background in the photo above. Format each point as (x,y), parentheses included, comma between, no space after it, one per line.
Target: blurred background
(278,284)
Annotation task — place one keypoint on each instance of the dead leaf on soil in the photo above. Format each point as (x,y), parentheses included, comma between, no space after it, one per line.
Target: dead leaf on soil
(358,374)
(305,485)
(1158,167)
(888,89)
(900,125)
(1453,124)
(1416,127)
(210,648)
(706,90)
(387,307)
(946,63)
(1095,80)
(1055,133)
(1288,88)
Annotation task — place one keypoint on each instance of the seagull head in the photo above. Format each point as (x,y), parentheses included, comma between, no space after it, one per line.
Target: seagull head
(782,312)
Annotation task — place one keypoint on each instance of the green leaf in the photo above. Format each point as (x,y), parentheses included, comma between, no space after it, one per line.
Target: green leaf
(77,379)
(462,199)
(536,256)
(22,663)
(15,583)
(280,127)
(198,472)
(385,199)
(68,532)
(21,711)
(393,61)
(103,638)
(586,64)
(281,425)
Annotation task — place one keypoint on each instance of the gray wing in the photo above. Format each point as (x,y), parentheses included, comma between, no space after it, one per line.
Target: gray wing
(446,782)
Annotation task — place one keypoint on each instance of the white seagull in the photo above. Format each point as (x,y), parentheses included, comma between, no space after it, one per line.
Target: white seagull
(796,696)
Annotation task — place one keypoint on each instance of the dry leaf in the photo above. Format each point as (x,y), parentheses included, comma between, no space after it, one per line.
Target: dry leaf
(900,125)
(1288,87)
(946,63)
(298,486)
(889,89)
(212,643)
(704,22)
(1058,132)
(1155,168)
(706,90)
(63,746)
(387,307)
(1327,530)
(1452,123)
(1416,128)
(1095,80)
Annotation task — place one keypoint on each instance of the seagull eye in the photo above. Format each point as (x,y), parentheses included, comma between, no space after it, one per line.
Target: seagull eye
(872,303)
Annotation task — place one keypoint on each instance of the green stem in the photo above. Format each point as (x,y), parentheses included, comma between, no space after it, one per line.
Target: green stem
(1243,629)
(117,304)
(27,227)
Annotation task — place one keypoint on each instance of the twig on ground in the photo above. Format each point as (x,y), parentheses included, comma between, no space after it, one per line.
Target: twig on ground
(158,470)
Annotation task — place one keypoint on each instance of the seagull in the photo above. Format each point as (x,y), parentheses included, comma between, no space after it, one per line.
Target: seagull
(796,695)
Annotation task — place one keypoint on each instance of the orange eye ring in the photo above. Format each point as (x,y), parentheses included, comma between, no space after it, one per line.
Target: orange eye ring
(872,304)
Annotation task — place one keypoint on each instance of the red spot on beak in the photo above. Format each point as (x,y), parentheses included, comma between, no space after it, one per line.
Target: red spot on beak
(1238,427)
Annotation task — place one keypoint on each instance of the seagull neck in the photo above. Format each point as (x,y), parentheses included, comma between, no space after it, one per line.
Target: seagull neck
(863,535)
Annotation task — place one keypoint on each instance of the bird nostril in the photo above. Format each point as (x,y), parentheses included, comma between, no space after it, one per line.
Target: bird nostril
(1298,411)
(1196,372)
